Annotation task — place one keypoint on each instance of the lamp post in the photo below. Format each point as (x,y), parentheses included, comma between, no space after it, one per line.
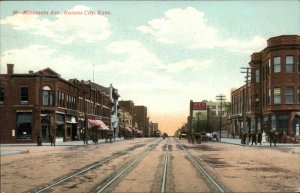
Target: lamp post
(221,98)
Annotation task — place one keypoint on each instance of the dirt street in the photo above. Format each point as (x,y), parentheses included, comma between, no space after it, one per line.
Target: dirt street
(236,168)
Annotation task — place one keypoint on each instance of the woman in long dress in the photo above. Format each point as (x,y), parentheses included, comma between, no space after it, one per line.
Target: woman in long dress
(264,137)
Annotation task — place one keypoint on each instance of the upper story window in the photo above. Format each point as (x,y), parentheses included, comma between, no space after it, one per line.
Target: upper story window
(47,97)
(257,76)
(61,99)
(298,95)
(1,95)
(277,96)
(24,95)
(277,65)
(298,63)
(269,67)
(289,64)
(269,97)
(289,95)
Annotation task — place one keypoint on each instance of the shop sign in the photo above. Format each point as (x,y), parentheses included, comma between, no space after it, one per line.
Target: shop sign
(24,111)
(74,113)
(199,106)
(13,133)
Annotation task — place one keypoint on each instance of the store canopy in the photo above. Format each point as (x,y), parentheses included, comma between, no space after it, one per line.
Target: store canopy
(98,123)
(128,129)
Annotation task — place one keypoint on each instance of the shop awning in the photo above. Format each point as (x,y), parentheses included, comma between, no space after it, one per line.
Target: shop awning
(98,123)
(71,119)
(128,129)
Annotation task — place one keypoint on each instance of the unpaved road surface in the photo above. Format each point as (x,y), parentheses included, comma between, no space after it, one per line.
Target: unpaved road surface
(236,168)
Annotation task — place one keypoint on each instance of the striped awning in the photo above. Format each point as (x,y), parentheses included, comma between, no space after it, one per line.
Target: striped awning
(98,123)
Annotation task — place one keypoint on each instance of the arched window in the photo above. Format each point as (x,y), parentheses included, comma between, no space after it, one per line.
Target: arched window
(47,98)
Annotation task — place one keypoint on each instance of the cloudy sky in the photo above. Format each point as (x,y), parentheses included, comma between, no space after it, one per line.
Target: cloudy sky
(158,54)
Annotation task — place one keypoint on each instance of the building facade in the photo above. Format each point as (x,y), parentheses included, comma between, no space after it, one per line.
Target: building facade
(273,100)
(238,99)
(275,85)
(34,104)
(153,129)
(142,119)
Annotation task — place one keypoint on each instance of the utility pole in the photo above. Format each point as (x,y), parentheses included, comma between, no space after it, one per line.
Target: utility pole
(207,127)
(221,98)
(93,73)
(245,101)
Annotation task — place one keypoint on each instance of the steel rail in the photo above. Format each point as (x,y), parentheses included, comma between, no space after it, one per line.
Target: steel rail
(82,171)
(199,166)
(136,159)
(166,161)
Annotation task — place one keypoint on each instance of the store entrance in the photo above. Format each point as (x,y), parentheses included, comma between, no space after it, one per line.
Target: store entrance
(45,131)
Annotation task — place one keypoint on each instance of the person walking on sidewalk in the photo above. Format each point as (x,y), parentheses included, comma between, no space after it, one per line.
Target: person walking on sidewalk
(52,138)
(259,137)
(273,137)
(253,136)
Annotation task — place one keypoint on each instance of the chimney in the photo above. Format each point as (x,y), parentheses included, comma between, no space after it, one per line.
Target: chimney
(10,68)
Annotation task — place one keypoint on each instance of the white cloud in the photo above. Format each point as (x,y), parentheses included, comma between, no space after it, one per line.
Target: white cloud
(253,45)
(63,29)
(189,27)
(188,64)
(136,56)
(42,57)
(184,26)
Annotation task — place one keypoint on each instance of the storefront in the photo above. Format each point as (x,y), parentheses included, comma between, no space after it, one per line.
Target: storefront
(24,125)
(60,126)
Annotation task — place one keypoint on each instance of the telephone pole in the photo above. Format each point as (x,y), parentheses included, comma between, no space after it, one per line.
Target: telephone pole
(221,98)
(245,98)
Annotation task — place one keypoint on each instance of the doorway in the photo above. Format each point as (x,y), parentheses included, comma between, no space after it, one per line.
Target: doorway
(45,130)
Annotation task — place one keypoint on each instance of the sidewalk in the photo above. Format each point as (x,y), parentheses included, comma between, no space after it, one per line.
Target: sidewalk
(267,144)
(58,143)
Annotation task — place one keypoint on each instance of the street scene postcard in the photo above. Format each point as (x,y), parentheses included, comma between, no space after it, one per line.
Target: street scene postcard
(150,96)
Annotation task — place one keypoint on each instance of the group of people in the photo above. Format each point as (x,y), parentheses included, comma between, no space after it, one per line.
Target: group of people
(259,137)
(93,133)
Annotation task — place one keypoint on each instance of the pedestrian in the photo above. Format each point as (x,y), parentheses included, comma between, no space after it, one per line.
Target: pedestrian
(253,136)
(264,140)
(95,135)
(273,137)
(244,136)
(284,137)
(247,138)
(52,138)
(85,136)
(259,137)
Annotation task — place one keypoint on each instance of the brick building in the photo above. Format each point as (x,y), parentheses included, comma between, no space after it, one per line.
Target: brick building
(237,109)
(36,103)
(274,91)
(142,119)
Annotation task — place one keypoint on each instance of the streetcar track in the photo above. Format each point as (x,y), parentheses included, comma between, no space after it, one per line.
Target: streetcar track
(106,183)
(200,168)
(165,172)
(89,167)
(124,169)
